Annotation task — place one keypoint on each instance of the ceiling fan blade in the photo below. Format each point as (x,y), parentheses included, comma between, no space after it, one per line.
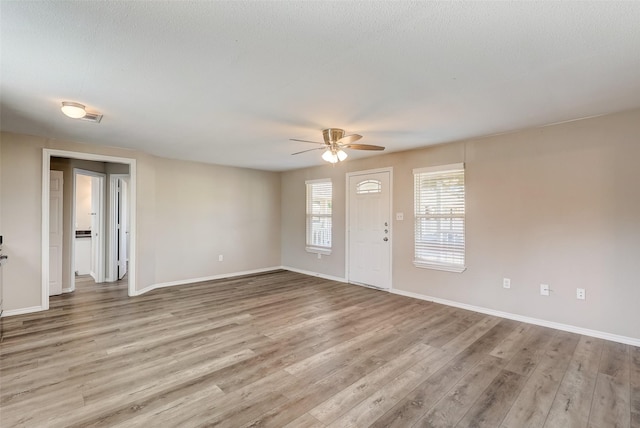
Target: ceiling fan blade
(305,141)
(362,147)
(309,150)
(348,139)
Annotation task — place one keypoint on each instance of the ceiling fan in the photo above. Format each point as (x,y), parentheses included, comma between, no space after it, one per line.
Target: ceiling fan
(334,142)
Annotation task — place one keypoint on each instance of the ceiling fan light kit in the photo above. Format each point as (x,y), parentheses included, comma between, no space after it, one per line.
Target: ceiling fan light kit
(329,156)
(332,156)
(334,142)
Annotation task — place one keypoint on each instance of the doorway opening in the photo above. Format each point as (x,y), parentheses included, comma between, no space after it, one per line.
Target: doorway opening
(89,225)
(98,221)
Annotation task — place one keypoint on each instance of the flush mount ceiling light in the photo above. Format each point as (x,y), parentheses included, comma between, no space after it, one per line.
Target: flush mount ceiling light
(73,110)
(77,111)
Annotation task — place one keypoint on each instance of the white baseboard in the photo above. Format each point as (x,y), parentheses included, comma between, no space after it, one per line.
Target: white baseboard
(555,325)
(203,279)
(529,320)
(319,275)
(22,311)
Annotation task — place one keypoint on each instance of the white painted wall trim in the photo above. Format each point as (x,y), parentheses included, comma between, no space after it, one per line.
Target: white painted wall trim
(544,323)
(203,279)
(529,320)
(22,311)
(319,275)
(72,263)
(46,164)
(112,247)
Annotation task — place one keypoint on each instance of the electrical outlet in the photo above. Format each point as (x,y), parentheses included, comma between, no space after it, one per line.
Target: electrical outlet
(544,289)
(220,258)
(399,216)
(506,283)
(581,294)
(319,256)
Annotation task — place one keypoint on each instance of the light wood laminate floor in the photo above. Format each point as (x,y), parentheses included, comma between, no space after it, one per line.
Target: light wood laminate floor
(282,349)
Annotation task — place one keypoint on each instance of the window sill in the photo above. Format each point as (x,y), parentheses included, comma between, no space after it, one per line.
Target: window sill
(446,268)
(316,250)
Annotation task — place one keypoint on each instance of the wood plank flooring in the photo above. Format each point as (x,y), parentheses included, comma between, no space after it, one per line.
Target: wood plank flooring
(281,349)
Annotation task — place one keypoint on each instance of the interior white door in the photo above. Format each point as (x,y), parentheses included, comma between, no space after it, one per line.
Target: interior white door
(96,228)
(55,232)
(369,229)
(123,227)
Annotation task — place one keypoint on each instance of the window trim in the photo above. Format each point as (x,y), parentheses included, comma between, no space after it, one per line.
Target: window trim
(429,264)
(316,249)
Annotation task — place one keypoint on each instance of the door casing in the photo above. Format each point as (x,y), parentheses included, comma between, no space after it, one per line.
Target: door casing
(55,262)
(46,164)
(112,259)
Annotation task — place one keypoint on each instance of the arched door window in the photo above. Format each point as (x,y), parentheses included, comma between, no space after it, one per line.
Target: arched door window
(369,186)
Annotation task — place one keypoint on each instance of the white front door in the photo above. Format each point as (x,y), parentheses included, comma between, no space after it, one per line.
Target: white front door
(369,229)
(55,232)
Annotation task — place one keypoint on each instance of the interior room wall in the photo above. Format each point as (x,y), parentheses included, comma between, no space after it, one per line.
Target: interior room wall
(204,211)
(1,202)
(199,217)
(557,205)
(21,220)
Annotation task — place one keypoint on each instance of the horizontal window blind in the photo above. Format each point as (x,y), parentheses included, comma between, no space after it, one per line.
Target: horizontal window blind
(440,218)
(319,211)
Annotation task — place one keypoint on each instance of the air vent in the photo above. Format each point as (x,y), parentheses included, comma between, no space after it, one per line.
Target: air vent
(92,117)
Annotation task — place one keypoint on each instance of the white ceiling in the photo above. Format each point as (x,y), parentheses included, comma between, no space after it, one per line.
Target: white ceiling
(230,82)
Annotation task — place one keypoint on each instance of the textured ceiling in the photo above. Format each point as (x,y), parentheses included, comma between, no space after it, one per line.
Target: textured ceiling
(230,82)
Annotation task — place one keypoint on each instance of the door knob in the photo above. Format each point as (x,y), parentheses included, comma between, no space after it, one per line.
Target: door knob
(385,239)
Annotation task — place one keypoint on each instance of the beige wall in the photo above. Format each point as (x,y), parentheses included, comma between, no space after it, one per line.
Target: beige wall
(21,172)
(203,211)
(184,202)
(557,205)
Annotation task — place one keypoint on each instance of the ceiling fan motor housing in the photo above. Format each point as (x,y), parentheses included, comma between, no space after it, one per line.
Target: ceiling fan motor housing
(334,143)
(332,135)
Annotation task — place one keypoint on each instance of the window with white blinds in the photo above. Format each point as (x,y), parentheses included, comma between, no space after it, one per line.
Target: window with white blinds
(319,208)
(439,217)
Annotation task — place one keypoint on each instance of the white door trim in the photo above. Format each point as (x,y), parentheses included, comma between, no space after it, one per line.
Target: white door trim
(348,225)
(46,165)
(55,175)
(112,251)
